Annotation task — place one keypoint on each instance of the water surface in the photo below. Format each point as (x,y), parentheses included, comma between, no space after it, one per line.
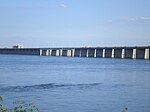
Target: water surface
(68,84)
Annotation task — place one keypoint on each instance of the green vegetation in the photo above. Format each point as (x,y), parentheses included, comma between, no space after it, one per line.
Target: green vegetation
(24,106)
(19,106)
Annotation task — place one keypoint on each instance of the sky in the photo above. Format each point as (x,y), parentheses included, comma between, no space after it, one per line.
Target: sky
(74,23)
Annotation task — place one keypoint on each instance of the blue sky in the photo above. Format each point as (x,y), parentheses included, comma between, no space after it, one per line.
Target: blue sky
(65,23)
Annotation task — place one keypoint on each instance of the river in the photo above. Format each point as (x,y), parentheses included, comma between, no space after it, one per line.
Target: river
(73,84)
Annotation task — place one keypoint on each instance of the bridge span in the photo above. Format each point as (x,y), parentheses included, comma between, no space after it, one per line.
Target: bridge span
(95,52)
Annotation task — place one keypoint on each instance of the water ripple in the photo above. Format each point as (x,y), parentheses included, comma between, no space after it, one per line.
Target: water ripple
(45,86)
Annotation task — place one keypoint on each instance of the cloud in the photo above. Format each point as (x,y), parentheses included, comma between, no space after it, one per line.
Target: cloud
(62,5)
(142,18)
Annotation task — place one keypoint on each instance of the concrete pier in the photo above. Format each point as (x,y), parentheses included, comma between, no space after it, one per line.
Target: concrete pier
(58,52)
(67,53)
(103,56)
(95,51)
(134,54)
(72,52)
(87,53)
(123,53)
(146,55)
(113,53)
(40,52)
(50,52)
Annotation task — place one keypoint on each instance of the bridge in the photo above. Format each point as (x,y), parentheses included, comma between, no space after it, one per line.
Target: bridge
(141,52)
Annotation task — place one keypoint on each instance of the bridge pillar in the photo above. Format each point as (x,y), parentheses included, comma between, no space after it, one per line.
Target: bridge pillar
(40,52)
(47,52)
(80,53)
(95,53)
(134,54)
(99,53)
(72,52)
(87,53)
(57,52)
(123,53)
(69,53)
(113,53)
(50,52)
(60,52)
(147,56)
(104,55)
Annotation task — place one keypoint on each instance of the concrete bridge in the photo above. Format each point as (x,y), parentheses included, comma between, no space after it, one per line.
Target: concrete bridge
(95,52)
